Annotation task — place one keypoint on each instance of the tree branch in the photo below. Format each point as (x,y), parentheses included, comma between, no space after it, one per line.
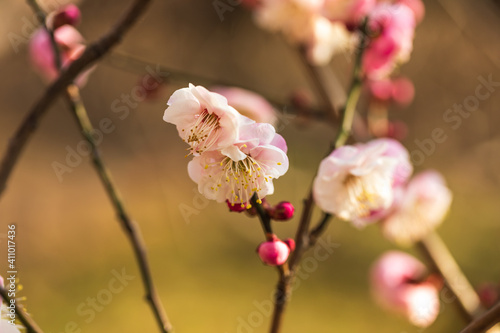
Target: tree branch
(24,318)
(131,228)
(302,237)
(485,321)
(92,53)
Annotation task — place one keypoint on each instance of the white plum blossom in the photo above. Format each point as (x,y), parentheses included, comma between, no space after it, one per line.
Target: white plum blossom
(238,171)
(356,182)
(203,119)
(302,23)
(420,208)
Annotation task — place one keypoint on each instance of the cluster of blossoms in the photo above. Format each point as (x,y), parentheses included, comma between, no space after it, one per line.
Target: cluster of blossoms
(5,323)
(368,183)
(327,27)
(235,157)
(69,41)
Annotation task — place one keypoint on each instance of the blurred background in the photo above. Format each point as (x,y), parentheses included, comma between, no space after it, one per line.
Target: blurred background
(204,263)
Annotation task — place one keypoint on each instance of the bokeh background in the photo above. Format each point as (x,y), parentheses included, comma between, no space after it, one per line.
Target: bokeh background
(205,266)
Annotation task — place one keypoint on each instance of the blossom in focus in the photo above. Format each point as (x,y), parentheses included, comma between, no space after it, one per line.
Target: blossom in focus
(351,12)
(302,24)
(246,167)
(420,208)
(356,182)
(204,119)
(394,27)
(249,104)
(71,46)
(274,252)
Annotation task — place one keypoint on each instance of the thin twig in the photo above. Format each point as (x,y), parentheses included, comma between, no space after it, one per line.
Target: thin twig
(485,321)
(130,226)
(316,232)
(302,237)
(92,53)
(24,318)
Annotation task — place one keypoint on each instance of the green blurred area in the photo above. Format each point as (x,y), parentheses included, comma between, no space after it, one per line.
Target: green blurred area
(205,266)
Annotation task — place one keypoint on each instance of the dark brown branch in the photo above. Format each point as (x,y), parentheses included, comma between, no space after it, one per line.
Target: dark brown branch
(485,321)
(131,228)
(24,318)
(92,53)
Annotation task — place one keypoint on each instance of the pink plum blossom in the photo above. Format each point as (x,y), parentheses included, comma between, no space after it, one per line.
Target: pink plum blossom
(394,26)
(303,24)
(204,119)
(397,283)
(71,46)
(249,104)
(238,171)
(274,252)
(355,183)
(417,7)
(420,208)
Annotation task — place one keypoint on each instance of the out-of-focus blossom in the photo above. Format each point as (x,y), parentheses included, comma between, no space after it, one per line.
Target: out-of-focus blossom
(69,14)
(351,12)
(282,211)
(394,27)
(274,252)
(302,24)
(70,44)
(7,327)
(238,171)
(420,208)
(395,149)
(249,104)
(399,90)
(417,6)
(355,183)
(203,119)
(397,283)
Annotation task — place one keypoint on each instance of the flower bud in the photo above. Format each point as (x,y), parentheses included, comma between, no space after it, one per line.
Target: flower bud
(68,15)
(273,252)
(282,211)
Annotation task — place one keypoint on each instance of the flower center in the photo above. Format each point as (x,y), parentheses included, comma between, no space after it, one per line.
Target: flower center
(244,178)
(362,196)
(203,134)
